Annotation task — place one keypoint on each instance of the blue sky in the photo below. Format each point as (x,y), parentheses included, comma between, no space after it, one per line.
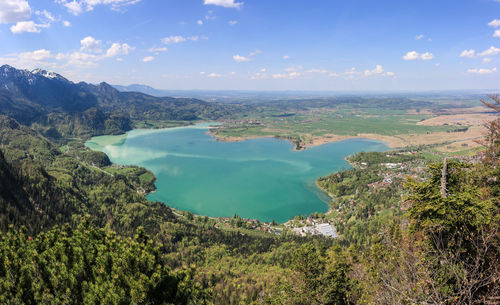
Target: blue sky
(259,44)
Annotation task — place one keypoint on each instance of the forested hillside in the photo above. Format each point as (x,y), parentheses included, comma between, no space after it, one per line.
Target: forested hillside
(59,108)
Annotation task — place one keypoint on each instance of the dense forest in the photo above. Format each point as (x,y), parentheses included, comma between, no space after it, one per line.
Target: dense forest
(77,229)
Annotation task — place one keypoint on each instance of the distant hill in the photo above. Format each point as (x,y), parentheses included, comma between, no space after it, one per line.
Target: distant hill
(60,108)
(142,89)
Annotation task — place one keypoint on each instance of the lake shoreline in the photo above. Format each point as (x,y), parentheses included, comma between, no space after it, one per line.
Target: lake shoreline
(113,144)
(391,141)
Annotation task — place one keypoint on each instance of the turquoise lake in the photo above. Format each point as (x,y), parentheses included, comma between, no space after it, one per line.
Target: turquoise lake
(259,178)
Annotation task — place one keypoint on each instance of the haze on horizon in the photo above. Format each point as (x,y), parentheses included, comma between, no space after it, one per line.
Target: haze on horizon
(259,44)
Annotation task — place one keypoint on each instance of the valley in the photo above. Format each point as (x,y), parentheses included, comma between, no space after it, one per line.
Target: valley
(239,215)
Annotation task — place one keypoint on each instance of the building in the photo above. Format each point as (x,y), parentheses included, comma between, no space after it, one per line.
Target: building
(327,230)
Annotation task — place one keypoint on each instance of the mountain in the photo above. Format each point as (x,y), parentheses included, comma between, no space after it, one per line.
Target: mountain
(142,89)
(60,108)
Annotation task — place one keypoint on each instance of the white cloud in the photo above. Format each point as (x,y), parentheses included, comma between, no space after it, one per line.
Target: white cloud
(29,60)
(379,70)
(427,56)
(224,3)
(290,75)
(333,74)
(90,44)
(214,75)
(210,16)
(79,59)
(496,33)
(46,14)
(494,23)
(173,39)
(468,53)
(73,7)
(12,11)
(414,55)
(66,23)
(200,22)
(257,51)
(76,7)
(148,58)
(27,26)
(118,49)
(239,58)
(259,75)
(179,39)
(490,52)
(482,71)
(286,57)
(486,60)
(418,37)
(157,49)
(233,22)
(315,70)
(352,71)
(36,55)
(294,68)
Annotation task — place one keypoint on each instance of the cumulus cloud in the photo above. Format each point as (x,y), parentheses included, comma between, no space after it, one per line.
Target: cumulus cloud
(118,49)
(27,26)
(12,11)
(379,70)
(414,55)
(427,56)
(29,60)
(418,37)
(468,53)
(257,51)
(490,52)
(66,23)
(482,71)
(200,22)
(290,75)
(496,33)
(486,60)
(224,3)
(233,22)
(494,23)
(214,75)
(294,68)
(76,7)
(46,14)
(148,58)
(36,55)
(239,58)
(179,39)
(286,57)
(90,44)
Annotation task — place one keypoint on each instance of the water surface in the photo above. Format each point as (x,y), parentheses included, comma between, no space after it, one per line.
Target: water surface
(259,178)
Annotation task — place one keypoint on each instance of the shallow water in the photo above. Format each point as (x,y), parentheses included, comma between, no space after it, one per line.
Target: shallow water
(259,178)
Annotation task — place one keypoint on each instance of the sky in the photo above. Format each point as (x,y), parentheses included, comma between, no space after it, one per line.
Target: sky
(320,45)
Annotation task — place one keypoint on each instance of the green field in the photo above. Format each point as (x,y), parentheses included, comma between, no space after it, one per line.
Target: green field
(303,125)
